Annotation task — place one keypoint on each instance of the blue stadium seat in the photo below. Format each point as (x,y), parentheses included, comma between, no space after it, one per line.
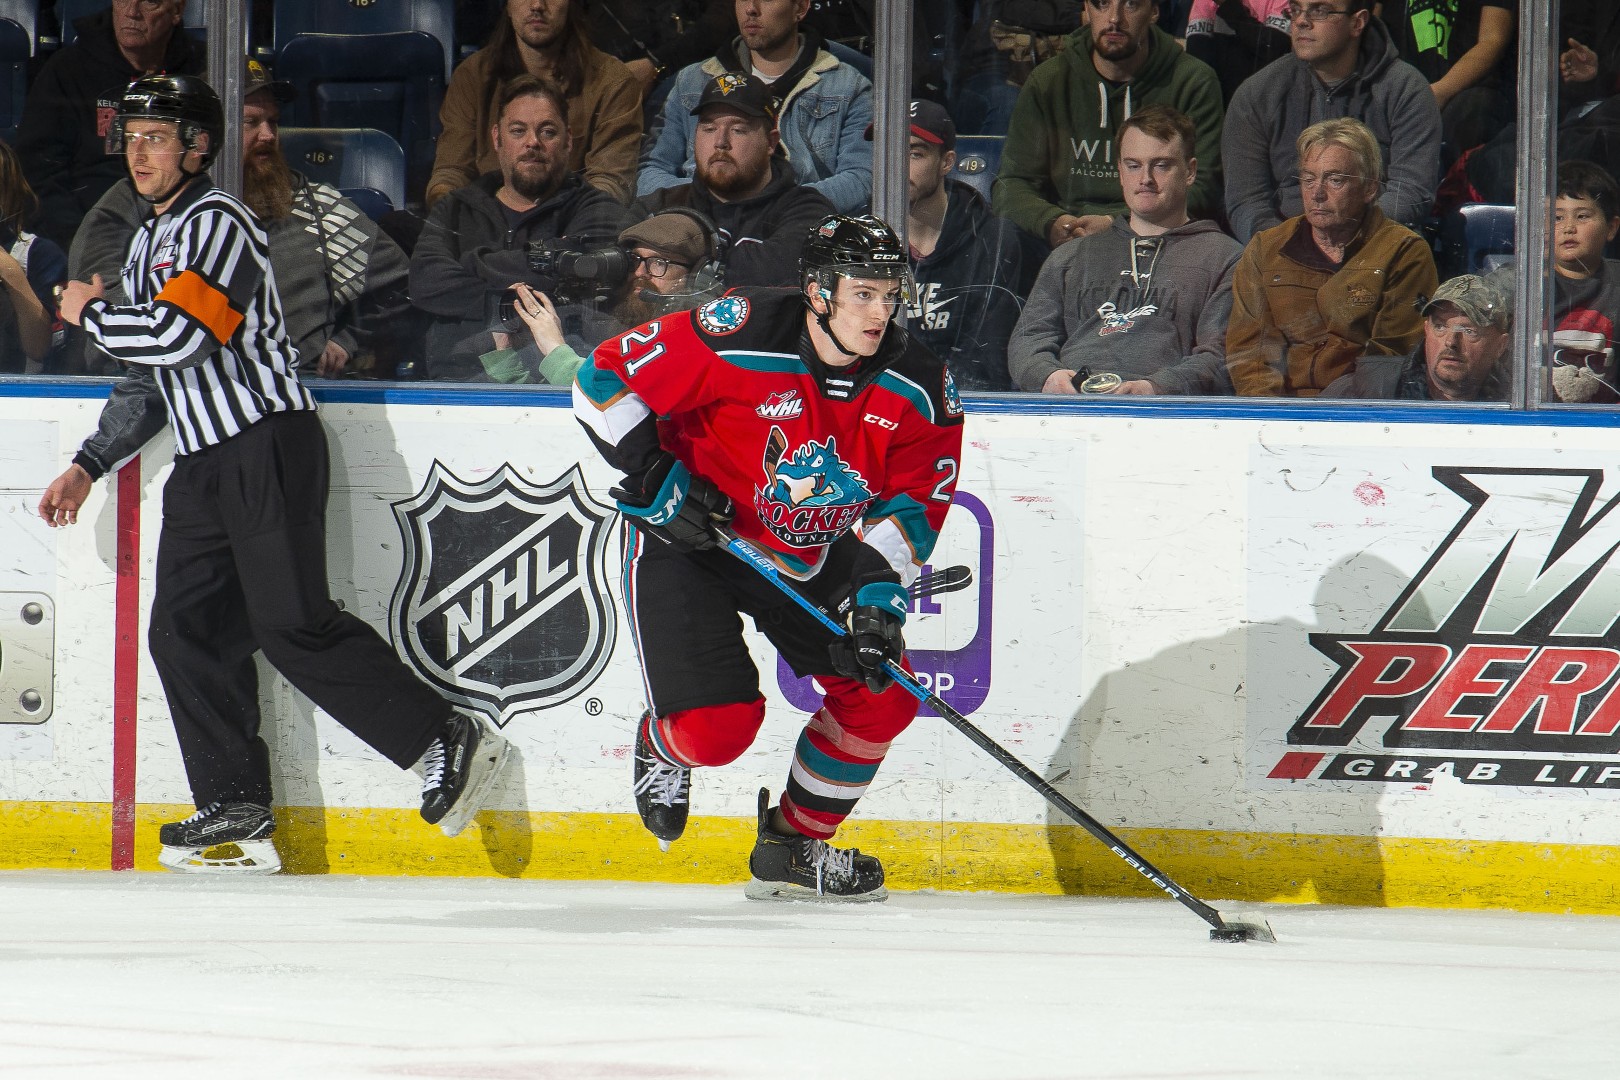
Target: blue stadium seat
(978,158)
(1478,239)
(436,17)
(25,13)
(391,82)
(854,58)
(349,159)
(69,10)
(372,203)
(16,45)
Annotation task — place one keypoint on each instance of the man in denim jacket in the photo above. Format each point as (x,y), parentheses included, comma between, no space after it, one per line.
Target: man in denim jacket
(825,106)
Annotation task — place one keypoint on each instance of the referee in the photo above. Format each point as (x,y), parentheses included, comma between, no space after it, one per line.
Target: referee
(241,562)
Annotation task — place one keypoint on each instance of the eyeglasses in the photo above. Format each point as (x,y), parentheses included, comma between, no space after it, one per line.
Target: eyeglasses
(1311,13)
(1469,332)
(657,266)
(1333,181)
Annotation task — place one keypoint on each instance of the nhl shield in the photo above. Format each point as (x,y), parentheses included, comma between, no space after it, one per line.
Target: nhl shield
(501,602)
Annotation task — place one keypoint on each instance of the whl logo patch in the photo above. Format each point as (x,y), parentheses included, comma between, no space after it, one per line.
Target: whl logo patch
(784,406)
(500,602)
(1500,662)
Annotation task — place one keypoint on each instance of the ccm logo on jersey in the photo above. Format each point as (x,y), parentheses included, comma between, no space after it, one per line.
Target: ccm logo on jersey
(881,421)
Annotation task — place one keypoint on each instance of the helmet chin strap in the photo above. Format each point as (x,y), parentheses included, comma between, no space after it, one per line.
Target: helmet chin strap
(174,189)
(823,320)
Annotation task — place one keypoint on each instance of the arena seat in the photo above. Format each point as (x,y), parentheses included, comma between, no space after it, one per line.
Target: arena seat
(1477,239)
(16,45)
(853,57)
(349,159)
(391,82)
(435,17)
(25,13)
(978,158)
(373,203)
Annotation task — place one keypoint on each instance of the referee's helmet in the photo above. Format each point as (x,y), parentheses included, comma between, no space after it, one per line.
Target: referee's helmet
(184,99)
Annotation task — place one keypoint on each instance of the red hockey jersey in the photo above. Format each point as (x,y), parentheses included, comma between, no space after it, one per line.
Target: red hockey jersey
(806,451)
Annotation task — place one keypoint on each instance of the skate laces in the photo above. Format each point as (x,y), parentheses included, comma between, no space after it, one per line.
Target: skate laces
(665,783)
(830,862)
(433,766)
(204,812)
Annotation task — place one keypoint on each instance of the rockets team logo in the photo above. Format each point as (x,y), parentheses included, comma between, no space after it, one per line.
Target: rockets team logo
(1499,663)
(810,496)
(501,602)
(723,316)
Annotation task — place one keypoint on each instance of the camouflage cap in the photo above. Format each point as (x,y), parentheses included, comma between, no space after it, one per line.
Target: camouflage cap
(1483,301)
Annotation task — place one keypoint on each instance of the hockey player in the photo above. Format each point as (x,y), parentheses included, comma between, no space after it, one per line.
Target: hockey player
(241,561)
(829,440)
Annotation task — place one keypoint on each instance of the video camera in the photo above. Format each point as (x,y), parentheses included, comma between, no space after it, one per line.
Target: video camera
(581,274)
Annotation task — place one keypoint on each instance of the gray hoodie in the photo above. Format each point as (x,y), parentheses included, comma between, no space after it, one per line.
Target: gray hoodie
(1283,98)
(1163,319)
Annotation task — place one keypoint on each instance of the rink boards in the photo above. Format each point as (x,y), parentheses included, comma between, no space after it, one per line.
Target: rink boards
(1293,653)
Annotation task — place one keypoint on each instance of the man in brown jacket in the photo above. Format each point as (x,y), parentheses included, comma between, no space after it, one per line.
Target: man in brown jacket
(1312,294)
(544,38)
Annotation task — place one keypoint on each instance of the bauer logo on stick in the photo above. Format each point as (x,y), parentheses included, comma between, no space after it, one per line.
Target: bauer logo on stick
(501,602)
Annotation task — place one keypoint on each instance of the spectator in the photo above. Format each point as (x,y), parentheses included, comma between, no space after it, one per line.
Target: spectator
(673,255)
(1058,179)
(1589,65)
(964,261)
(543,38)
(476,242)
(824,107)
(761,211)
(62,139)
(1339,281)
(1148,297)
(339,277)
(32,270)
(1002,46)
(1586,286)
(656,38)
(1237,37)
(1343,65)
(1462,356)
(1464,48)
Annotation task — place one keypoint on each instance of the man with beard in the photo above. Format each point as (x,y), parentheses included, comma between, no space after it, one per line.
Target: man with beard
(1059,180)
(762,212)
(339,276)
(63,136)
(824,106)
(602,98)
(965,260)
(1464,354)
(476,244)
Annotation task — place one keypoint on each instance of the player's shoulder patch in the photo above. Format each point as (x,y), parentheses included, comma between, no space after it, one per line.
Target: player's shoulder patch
(723,316)
(949,396)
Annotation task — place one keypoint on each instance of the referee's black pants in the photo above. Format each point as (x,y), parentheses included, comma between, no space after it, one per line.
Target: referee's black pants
(241,566)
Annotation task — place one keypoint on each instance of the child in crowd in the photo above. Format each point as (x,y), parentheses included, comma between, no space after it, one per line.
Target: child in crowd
(1587,286)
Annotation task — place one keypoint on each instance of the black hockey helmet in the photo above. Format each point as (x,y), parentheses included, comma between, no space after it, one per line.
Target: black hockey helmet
(184,99)
(842,245)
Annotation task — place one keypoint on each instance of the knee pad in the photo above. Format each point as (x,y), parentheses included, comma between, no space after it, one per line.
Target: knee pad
(713,734)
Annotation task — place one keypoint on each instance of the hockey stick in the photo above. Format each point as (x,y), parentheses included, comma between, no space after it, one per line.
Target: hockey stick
(1223,927)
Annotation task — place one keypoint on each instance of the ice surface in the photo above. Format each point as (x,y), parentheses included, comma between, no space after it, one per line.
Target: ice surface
(140,976)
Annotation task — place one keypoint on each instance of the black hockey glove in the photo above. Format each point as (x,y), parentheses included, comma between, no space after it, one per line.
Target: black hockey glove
(874,637)
(674,505)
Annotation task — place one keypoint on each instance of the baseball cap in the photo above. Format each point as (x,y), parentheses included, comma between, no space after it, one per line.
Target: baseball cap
(1482,300)
(746,94)
(257,77)
(677,237)
(930,123)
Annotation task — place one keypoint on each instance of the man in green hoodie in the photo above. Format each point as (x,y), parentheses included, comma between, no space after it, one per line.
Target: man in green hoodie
(1058,178)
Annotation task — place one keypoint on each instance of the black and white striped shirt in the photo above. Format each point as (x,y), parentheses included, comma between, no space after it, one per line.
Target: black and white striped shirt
(205,317)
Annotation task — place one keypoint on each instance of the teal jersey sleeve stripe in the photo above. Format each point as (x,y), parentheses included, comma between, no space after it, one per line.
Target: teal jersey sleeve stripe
(788,363)
(899,384)
(910,515)
(600,386)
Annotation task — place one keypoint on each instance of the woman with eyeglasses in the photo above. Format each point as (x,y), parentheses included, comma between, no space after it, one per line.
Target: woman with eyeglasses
(1311,295)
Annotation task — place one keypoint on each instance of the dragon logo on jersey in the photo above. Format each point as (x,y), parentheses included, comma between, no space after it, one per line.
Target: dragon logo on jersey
(501,603)
(811,496)
(723,316)
(784,406)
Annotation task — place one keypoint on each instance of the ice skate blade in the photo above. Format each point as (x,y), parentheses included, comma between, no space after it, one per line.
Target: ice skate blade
(247,857)
(486,768)
(1246,927)
(786,892)
(663,845)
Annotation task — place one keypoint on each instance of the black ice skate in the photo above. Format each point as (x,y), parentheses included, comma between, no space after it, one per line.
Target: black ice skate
(794,867)
(221,838)
(459,771)
(662,790)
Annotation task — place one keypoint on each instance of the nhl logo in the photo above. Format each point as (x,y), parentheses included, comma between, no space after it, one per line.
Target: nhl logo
(501,602)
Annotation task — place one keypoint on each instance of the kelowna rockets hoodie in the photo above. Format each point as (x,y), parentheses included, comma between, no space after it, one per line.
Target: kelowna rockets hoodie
(1059,155)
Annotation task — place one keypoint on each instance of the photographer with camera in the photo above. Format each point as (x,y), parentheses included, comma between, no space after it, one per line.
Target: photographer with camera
(506,228)
(668,263)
